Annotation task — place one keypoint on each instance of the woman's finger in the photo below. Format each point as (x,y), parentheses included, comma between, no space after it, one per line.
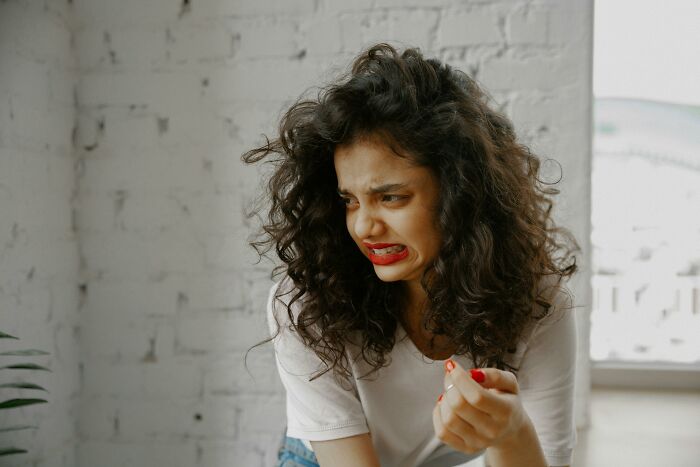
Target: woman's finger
(482,423)
(502,380)
(445,433)
(479,397)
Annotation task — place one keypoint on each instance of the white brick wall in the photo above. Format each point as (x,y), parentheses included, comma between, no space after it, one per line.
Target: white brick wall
(38,248)
(168,94)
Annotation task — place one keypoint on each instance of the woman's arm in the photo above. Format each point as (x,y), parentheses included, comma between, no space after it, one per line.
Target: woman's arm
(490,459)
(512,456)
(522,449)
(353,451)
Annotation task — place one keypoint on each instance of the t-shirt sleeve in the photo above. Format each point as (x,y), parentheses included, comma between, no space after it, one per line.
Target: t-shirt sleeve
(317,410)
(546,379)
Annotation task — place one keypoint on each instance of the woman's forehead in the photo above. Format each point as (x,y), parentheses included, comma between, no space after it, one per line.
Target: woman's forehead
(368,164)
(371,156)
(368,172)
(368,181)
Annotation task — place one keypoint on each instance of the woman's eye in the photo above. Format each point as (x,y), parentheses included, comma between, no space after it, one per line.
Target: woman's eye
(392,198)
(346,201)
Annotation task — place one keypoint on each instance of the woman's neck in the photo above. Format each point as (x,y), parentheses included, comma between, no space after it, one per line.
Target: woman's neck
(436,347)
(414,306)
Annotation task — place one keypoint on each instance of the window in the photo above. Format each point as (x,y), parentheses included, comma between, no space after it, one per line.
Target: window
(646,184)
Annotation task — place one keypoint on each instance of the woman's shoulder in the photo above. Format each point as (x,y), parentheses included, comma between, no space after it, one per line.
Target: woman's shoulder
(284,305)
(283,300)
(554,302)
(552,319)
(554,295)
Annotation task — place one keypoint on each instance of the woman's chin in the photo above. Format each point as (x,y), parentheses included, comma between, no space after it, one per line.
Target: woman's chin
(386,274)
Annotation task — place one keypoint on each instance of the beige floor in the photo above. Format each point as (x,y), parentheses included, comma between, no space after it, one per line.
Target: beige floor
(639,428)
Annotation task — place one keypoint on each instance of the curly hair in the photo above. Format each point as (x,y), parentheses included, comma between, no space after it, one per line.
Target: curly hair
(498,239)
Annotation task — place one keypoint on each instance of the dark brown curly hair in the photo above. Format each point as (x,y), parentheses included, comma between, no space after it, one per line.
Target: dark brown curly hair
(498,238)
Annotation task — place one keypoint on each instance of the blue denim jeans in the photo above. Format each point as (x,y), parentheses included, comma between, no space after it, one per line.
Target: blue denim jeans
(293,453)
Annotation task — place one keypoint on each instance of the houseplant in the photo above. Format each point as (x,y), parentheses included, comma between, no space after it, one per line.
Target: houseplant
(13,403)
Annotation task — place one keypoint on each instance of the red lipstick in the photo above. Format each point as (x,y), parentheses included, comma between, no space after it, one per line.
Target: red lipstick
(377,246)
(385,259)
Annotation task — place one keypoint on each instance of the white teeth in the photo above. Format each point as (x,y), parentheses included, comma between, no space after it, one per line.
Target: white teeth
(389,250)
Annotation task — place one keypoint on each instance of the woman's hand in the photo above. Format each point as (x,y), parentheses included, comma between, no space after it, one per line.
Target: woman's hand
(478,410)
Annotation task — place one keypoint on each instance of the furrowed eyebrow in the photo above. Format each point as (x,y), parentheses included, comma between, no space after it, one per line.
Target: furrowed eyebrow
(387,187)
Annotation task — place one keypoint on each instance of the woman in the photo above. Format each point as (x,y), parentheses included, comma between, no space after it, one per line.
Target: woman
(417,245)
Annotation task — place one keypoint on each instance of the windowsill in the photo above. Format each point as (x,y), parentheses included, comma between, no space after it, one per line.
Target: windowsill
(651,375)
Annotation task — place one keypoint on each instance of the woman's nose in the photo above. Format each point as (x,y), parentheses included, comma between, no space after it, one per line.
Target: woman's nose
(367,224)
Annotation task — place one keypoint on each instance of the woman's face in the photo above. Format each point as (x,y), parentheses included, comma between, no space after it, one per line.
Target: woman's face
(390,208)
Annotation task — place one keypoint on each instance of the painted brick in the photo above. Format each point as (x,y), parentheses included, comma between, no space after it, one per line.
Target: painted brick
(35,209)
(178,378)
(117,48)
(242,123)
(142,255)
(341,6)
(528,25)
(176,418)
(402,28)
(537,110)
(125,337)
(37,36)
(27,82)
(245,83)
(217,333)
(224,251)
(114,127)
(28,123)
(217,9)
(222,292)
(153,89)
(126,12)
(39,252)
(265,37)
(200,42)
(228,375)
(413,28)
(173,453)
(406,4)
(261,413)
(138,171)
(197,127)
(229,174)
(137,212)
(477,26)
(569,25)
(506,72)
(45,257)
(253,451)
(147,213)
(322,36)
(225,208)
(154,298)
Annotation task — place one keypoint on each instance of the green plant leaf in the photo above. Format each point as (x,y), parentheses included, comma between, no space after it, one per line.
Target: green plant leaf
(12,403)
(24,366)
(17,428)
(21,385)
(9,451)
(7,336)
(26,353)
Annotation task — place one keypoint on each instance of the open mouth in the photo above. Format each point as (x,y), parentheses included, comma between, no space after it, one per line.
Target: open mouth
(388,250)
(386,253)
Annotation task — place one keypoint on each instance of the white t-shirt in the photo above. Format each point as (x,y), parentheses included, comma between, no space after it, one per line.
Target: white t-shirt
(395,405)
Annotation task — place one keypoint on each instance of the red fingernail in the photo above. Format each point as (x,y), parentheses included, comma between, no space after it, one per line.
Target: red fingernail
(478,376)
(440,398)
(449,365)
